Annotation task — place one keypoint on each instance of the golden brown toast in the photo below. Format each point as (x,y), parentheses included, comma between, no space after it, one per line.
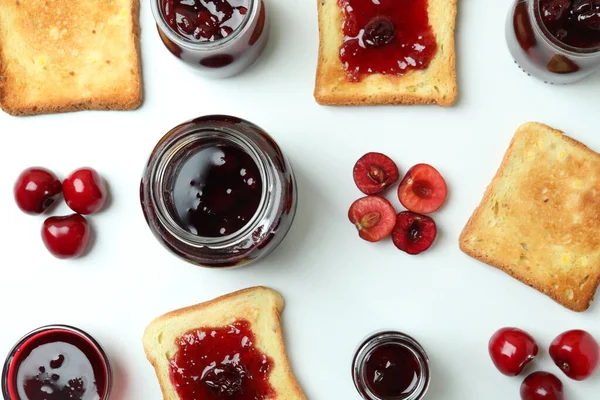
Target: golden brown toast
(66,55)
(434,85)
(260,306)
(539,219)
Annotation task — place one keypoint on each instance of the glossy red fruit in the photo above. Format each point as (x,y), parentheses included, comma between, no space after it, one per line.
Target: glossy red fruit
(85,191)
(554,11)
(542,386)
(66,237)
(511,349)
(423,190)
(576,353)
(413,233)
(373,216)
(374,172)
(36,189)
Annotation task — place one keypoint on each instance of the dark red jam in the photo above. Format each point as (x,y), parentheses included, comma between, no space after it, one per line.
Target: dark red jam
(573,22)
(204,20)
(217,191)
(221,363)
(392,371)
(389,37)
(58,365)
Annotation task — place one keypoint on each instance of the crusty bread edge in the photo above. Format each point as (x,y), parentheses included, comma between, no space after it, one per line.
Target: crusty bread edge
(277,310)
(99,105)
(339,99)
(486,197)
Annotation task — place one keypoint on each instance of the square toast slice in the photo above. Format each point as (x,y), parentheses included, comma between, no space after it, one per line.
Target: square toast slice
(539,219)
(67,55)
(434,85)
(260,306)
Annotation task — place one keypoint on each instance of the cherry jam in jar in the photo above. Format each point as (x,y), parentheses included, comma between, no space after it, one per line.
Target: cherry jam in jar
(220,38)
(391,366)
(557,41)
(56,362)
(218,192)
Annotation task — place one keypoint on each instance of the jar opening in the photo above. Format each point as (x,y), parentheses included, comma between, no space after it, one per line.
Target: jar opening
(535,10)
(391,366)
(182,41)
(211,190)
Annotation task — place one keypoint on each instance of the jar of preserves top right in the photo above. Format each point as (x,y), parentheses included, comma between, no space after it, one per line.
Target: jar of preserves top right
(557,41)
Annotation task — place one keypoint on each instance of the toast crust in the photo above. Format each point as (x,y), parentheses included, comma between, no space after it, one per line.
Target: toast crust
(434,85)
(548,234)
(67,55)
(259,305)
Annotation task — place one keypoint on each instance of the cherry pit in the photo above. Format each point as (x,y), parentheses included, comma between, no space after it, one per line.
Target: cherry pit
(421,191)
(84,191)
(575,352)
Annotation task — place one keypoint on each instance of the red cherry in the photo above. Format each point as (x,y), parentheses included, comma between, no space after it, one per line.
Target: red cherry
(576,353)
(413,233)
(374,172)
(36,189)
(423,190)
(511,349)
(542,386)
(373,216)
(85,191)
(66,237)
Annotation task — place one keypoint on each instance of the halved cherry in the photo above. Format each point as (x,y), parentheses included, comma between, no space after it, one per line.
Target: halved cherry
(373,216)
(413,233)
(373,172)
(423,190)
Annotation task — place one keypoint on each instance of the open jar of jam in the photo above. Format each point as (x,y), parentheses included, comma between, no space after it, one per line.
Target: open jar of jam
(56,362)
(557,41)
(391,365)
(220,38)
(218,192)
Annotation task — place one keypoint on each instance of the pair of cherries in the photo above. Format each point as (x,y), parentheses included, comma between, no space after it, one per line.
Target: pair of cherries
(575,352)
(84,191)
(422,191)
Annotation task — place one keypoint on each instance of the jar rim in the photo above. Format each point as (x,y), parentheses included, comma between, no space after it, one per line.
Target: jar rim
(558,45)
(6,370)
(185,43)
(381,338)
(182,141)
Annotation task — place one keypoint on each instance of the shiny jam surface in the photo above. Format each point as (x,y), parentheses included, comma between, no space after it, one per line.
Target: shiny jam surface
(392,371)
(217,191)
(60,365)
(386,37)
(221,363)
(573,22)
(204,20)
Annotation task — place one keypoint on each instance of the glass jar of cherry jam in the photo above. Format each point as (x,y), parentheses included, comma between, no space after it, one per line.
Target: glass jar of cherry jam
(218,192)
(56,362)
(557,41)
(391,365)
(220,38)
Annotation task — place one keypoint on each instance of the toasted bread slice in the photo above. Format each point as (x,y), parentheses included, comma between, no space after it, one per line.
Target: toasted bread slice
(434,85)
(260,306)
(66,55)
(539,219)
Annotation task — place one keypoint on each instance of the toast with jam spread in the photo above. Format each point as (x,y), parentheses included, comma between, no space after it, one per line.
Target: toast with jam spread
(539,219)
(66,55)
(386,52)
(222,348)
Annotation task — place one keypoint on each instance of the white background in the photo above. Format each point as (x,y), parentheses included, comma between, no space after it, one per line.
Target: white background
(338,288)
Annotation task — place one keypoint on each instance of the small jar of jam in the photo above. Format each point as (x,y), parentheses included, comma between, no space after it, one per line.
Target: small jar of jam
(557,41)
(391,365)
(56,362)
(218,192)
(220,38)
